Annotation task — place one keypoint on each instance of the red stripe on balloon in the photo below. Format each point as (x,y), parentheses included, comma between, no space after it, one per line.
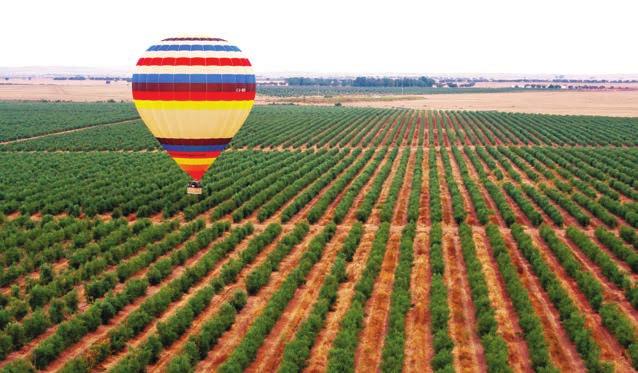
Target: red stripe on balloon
(198,87)
(176,154)
(192,61)
(193,96)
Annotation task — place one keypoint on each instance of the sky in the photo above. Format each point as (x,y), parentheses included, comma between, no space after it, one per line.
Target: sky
(336,37)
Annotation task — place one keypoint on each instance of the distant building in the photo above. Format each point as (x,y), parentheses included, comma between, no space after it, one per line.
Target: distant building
(271,82)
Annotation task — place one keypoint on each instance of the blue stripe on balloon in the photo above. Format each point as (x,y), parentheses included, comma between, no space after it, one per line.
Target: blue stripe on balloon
(194,78)
(193,148)
(194,47)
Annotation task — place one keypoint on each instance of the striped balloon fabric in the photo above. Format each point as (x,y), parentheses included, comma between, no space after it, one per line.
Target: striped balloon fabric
(194,93)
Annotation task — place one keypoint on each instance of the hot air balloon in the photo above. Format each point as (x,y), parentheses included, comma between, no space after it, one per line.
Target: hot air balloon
(193,94)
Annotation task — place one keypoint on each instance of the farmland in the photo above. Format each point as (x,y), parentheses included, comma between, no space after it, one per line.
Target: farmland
(327,239)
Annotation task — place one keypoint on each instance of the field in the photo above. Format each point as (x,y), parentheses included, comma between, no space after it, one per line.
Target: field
(601,102)
(327,239)
(620,103)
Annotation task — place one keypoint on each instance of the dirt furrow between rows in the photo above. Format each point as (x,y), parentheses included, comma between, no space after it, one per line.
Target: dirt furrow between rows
(318,359)
(418,330)
(350,217)
(468,351)
(372,336)
(151,328)
(28,348)
(610,349)
(504,312)
(255,305)
(328,215)
(85,344)
(271,351)
(467,201)
(562,350)
(400,216)
(217,301)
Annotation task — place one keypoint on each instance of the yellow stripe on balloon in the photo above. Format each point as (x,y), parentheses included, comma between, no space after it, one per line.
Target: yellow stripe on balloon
(194,161)
(194,105)
(194,124)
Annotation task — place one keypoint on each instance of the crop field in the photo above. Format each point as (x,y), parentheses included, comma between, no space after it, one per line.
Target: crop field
(327,239)
(304,90)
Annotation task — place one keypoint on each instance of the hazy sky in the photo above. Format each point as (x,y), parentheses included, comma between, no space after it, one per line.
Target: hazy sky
(326,36)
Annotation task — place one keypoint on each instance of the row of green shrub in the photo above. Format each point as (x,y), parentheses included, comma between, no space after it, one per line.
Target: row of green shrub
(371,197)
(544,203)
(458,206)
(247,349)
(401,301)
(306,196)
(596,209)
(571,317)
(434,188)
(176,325)
(620,209)
(480,206)
(586,282)
(501,203)
(100,284)
(443,360)
(523,203)
(320,207)
(341,355)
(356,187)
(387,207)
(494,346)
(239,195)
(566,203)
(414,201)
(617,247)
(178,256)
(63,308)
(288,184)
(519,163)
(260,276)
(630,236)
(298,349)
(155,305)
(131,266)
(528,319)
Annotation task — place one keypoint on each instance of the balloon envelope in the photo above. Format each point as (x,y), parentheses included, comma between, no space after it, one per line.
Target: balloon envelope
(193,94)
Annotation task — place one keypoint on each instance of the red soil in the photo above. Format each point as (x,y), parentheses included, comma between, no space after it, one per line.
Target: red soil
(372,337)
(562,351)
(350,217)
(424,204)
(255,305)
(401,208)
(271,351)
(328,215)
(467,201)
(318,359)
(610,349)
(468,351)
(418,334)
(504,311)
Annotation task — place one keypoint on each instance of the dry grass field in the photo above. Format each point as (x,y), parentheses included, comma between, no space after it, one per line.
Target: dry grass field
(623,103)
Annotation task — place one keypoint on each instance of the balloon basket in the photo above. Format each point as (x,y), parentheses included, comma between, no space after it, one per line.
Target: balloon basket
(194,187)
(196,191)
